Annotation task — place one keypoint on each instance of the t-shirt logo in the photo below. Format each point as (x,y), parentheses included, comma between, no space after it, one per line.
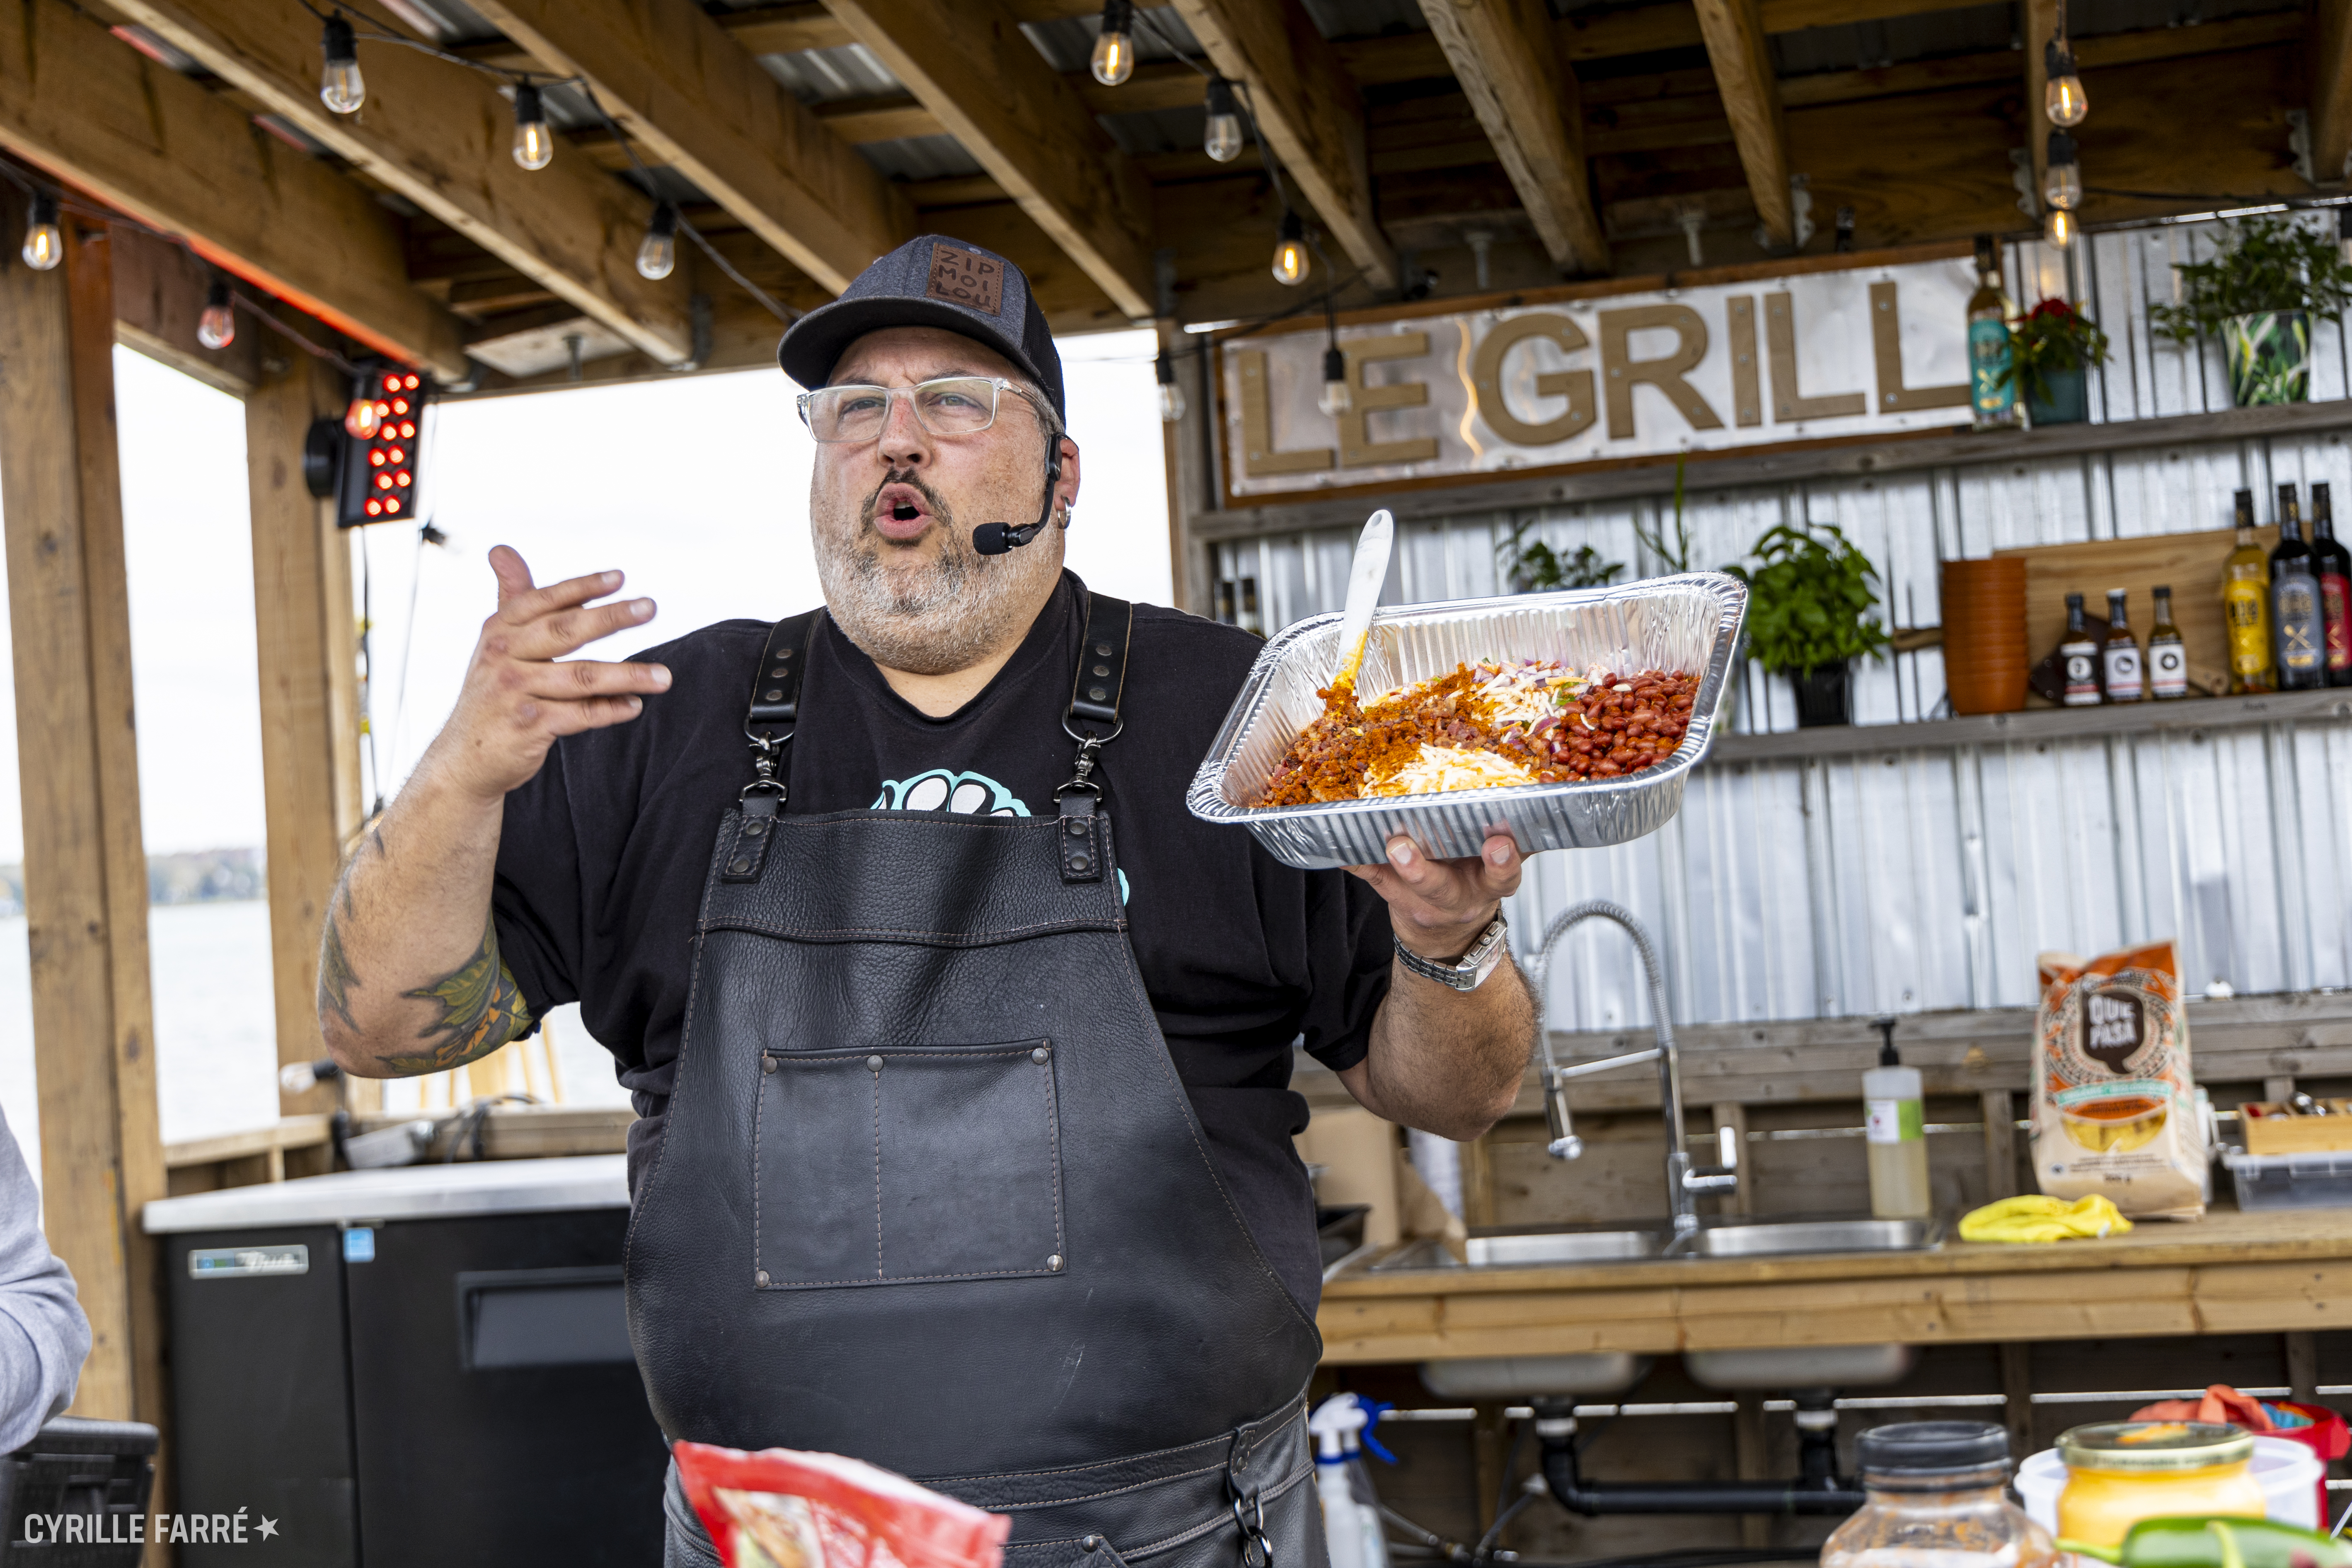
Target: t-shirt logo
(974,794)
(966,278)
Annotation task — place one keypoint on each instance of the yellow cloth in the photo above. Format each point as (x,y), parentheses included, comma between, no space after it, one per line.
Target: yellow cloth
(2038,1219)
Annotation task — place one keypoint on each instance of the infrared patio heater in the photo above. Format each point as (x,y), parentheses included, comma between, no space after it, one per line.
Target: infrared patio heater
(369,461)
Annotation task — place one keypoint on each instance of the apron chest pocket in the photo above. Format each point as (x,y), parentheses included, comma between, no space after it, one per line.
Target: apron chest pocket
(906,1164)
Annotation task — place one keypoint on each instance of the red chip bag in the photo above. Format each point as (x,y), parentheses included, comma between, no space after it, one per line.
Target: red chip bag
(783,1509)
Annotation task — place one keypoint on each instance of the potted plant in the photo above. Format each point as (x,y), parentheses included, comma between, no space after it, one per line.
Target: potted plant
(1809,603)
(2053,350)
(1532,566)
(2258,293)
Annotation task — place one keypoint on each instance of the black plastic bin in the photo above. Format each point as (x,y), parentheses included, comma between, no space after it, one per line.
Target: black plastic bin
(91,1480)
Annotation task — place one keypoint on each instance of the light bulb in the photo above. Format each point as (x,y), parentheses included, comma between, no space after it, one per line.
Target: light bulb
(2061,228)
(534,143)
(2062,98)
(1290,252)
(658,254)
(1114,55)
(45,242)
(361,419)
(1172,396)
(2062,185)
(1222,137)
(217,327)
(1336,399)
(341,88)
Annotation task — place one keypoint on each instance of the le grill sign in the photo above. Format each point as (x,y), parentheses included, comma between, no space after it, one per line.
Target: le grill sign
(1495,393)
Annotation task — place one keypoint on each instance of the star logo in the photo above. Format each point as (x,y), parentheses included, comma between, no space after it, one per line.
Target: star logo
(268,1528)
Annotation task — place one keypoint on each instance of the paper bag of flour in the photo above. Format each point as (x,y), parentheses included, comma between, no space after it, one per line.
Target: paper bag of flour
(2115,1108)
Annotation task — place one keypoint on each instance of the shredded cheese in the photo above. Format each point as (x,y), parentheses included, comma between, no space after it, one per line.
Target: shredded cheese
(1450,767)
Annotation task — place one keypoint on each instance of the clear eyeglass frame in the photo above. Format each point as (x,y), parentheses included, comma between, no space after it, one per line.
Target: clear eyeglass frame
(829,419)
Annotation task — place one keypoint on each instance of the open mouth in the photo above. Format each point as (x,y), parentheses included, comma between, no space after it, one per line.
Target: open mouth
(901,513)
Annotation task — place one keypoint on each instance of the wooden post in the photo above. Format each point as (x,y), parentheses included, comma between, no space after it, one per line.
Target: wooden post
(1999,1145)
(304,637)
(1747,1457)
(1490,1445)
(1479,1181)
(85,870)
(2040,20)
(2017,1395)
(2302,1347)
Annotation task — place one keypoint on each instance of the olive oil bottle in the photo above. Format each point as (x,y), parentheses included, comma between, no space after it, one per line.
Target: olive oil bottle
(2246,604)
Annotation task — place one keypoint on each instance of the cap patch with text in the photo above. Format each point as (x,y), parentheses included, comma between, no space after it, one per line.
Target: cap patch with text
(966,278)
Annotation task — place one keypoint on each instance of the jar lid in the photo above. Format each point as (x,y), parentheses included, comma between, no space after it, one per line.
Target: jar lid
(1926,1447)
(2154,1445)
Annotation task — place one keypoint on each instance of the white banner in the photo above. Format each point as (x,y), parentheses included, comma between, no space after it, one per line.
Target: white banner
(1860,352)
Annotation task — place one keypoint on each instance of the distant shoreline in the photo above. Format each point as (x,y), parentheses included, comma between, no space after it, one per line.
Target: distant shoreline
(188,877)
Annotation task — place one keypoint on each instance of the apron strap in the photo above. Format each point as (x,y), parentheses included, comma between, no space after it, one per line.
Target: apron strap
(1093,721)
(775,707)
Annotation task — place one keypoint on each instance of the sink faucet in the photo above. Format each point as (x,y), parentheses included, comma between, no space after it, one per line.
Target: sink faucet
(1685,1181)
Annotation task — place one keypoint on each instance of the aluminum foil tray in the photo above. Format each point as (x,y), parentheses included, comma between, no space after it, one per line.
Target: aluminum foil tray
(1691,622)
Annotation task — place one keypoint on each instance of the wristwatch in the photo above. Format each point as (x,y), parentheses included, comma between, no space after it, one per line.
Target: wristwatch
(1463,973)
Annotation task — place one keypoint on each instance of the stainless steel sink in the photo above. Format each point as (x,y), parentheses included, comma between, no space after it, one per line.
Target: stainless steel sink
(1763,1238)
(1534,1249)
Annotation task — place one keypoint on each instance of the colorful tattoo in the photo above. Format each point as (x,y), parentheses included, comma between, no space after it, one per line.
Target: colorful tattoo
(335,976)
(481,1009)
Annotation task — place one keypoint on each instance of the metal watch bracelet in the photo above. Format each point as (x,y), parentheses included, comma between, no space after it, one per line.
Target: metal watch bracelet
(1464,973)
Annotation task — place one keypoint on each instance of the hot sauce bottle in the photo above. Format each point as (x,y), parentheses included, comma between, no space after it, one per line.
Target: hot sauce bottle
(2246,604)
(2335,564)
(2079,657)
(2119,655)
(2168,655)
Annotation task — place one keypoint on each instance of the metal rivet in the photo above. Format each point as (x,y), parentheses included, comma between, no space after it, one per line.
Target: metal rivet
(739,865)
(767,1064)
(1097,692)
(1039,1056)
(1079,862)
(873,1064)
(1055,1263)
(774,694)
(760,1278)
(1102,669)
(778,673)
(1077,829)
(1091,1543)
(1102,650)
(752,829)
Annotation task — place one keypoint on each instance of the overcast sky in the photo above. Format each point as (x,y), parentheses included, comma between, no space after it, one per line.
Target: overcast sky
(697,488)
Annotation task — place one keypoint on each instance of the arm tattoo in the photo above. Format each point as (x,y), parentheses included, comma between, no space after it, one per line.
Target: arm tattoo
(481,1009)
(335,976)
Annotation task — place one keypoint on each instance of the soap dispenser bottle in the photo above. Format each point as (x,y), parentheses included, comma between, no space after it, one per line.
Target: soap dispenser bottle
(1895,1131)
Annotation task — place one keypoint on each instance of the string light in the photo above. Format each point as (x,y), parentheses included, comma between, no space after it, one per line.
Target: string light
(2062,187)
(45,242)
(1172,396)
(1290,251)
(2063,100)
(1336,399)
(534,144)
(341,88)
(1221,139)
(1114,55)
(217,327)
(658,253)
(2061,228)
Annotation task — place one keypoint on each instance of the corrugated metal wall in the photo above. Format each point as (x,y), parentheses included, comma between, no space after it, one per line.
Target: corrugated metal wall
(1919,880)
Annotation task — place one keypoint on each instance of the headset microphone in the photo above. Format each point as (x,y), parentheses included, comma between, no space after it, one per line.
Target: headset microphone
(996,538)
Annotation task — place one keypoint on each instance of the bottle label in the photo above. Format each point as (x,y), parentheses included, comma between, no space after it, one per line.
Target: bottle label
(1989,354)
(2123,672)
(2247,609)
(2082,661)
(2167,669)
(1894,1121)
(2302,642)
(2335,604)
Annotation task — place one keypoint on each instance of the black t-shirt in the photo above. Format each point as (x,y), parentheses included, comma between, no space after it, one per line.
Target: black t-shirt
(601,866)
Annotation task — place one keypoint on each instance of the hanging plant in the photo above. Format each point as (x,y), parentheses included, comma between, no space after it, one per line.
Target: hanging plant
(1809,600)
(2053,336)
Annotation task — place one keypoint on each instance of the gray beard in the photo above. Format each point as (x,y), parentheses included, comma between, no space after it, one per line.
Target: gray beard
(946,616)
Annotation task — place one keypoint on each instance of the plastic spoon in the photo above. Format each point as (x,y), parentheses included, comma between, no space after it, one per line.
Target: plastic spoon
(1365,575)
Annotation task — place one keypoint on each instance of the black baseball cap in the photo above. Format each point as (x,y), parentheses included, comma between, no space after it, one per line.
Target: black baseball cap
(930,281)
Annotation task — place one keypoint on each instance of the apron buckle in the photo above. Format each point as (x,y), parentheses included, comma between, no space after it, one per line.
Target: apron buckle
(1257,1547)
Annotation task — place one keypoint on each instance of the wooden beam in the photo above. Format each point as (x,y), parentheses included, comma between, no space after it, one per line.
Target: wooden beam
(787,29)
(160,290)
(2328,106)
(85,871)
(305,638)
(1751,97)
(441,137)
(159,147)
(1502,55)
(675,82)
(2000,65)
(970,64)
(2040,20)
(1307,110)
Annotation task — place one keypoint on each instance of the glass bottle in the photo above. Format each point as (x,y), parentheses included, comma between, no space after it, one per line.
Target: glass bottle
(1935,1496)
(2335,563)
(2246,604)
(1992,388)
(2119,658)
(2168,655)
(2078,657)
(2298,626)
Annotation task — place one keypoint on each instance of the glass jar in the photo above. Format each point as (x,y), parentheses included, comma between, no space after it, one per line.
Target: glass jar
(2120,1472)
(1935,1496)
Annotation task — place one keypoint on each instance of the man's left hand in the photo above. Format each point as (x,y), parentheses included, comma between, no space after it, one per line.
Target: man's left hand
(1439,906)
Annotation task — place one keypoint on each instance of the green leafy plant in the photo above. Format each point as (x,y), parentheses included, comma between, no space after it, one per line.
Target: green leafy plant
(2053,335)
(2265,264)
(1809,599)
(1534,567)
(1677,557)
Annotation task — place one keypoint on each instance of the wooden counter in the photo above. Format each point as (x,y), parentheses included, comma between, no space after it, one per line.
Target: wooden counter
(2229,1273)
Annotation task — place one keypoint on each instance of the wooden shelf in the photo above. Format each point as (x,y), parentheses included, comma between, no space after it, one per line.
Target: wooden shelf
(1828,460)
(2033,724)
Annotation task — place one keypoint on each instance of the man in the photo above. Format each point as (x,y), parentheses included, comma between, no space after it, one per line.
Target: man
(43,1334)
(961,1055)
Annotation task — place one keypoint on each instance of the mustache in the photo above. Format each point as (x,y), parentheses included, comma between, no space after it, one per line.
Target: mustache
(913,481)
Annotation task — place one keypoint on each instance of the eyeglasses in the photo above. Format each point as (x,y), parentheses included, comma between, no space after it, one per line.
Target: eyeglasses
(952,405)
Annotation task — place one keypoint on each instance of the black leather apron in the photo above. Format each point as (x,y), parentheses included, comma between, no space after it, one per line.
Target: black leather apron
(929,1193)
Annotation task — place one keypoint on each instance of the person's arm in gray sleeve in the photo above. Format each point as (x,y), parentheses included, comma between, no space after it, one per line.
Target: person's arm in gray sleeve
(43,1334)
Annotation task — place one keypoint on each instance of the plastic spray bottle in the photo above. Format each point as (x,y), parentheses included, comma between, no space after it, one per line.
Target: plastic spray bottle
(1336,1421)
(1896,1133)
